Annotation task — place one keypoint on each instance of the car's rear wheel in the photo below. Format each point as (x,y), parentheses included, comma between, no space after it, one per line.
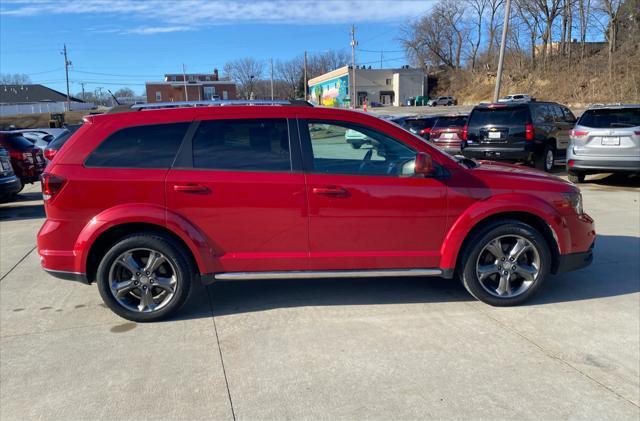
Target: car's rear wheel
(145,277)
(546,161)
(576,176)
(505,263)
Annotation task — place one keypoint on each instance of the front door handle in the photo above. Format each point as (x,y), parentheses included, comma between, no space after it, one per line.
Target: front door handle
(331,191)
(190,188)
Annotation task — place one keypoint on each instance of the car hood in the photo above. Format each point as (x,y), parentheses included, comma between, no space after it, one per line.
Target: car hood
(500,170)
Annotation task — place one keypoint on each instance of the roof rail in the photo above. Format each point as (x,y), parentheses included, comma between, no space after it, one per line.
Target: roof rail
(216,103)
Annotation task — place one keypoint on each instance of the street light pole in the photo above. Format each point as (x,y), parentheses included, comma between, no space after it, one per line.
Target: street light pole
(507,11)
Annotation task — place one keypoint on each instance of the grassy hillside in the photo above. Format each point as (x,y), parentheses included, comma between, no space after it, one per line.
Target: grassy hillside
(576,83)
(29,121)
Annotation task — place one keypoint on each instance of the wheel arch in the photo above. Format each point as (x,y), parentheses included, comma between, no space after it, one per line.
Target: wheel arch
(109,226)
(532,211)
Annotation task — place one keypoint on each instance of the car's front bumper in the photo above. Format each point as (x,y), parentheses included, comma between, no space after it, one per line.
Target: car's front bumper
(574,261)
(497,153)
(68,276)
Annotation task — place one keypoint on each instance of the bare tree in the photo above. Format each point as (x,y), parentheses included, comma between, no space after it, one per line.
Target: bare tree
(530,19)
(289,73)
(494,24)
(14,79)
(245,72)
(584,12)
(478,7)
(612,10)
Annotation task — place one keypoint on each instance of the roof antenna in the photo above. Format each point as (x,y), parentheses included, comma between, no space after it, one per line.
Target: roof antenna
(114,97)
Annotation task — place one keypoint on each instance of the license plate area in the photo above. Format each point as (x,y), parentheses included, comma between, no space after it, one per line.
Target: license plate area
(494,135)
(610,141)
(6,166)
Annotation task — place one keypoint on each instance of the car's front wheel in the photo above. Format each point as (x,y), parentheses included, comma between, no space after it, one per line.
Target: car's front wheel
(145,277)
(505,263)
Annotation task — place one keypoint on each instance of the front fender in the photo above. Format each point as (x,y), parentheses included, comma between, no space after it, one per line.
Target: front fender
(501,204)
(147,214)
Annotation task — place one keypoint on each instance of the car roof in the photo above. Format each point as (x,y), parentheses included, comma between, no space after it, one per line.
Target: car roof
(611,106)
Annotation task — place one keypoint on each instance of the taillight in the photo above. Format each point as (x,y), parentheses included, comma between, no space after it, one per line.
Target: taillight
(570,163)
(578,133)
(425,131)
(465,132)
(50,153)
(22,156)
(528,131)
(51,185)
(637,133)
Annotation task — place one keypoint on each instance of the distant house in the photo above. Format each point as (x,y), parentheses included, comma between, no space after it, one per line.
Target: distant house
(29,94)
(33,99)
(198,87)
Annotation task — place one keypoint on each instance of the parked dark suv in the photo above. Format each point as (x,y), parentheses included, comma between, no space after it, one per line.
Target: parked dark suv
(536,133)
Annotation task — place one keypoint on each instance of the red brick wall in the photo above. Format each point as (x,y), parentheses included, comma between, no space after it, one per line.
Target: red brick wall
(176,93)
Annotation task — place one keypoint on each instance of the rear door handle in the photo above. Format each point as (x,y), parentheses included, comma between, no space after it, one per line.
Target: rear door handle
(190,188)
(331,191)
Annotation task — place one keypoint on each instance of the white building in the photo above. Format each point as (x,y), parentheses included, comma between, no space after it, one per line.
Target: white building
(385,86)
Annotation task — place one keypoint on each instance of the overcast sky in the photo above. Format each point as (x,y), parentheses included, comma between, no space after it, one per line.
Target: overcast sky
(114,43)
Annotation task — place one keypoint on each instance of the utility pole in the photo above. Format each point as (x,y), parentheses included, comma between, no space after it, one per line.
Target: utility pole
(354,104)
(82,84)
(381,57)
(271,63)
(507,11)
(184,79)
(67,63)
(305,76)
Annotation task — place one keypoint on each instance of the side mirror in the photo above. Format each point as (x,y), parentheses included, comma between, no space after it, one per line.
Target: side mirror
(424,164)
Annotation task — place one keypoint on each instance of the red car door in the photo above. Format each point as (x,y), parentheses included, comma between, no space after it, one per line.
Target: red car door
(367,209)
(236,183)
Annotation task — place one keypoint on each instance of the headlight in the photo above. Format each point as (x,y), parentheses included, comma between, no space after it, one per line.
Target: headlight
(575,201)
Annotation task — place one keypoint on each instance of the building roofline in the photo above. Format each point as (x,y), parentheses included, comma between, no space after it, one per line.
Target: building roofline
(330,75)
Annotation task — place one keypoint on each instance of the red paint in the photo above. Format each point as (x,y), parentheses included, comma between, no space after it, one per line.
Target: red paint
(250,221)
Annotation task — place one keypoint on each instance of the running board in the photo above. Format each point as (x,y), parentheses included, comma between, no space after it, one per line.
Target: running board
(238,276)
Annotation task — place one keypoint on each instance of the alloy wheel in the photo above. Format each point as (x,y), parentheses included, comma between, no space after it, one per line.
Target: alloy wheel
(507,266)
(142,280)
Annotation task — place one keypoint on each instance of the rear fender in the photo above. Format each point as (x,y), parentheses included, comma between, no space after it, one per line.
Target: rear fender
(494,206)
(146,214)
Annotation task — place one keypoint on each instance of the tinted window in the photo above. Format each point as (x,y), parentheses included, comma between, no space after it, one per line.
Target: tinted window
(242,145)
(420,123)
(17,141)
(340,148)
(611,118)
(60,140)
(568,115)
(457,121)
(510,116)
(152,146)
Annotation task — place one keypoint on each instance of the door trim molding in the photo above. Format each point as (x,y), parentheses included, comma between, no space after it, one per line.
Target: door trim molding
(238,276)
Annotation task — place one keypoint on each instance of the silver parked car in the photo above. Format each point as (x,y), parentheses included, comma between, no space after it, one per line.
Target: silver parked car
(442,100)
(606,138)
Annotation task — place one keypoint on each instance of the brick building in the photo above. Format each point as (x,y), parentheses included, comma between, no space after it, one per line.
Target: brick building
(199,87)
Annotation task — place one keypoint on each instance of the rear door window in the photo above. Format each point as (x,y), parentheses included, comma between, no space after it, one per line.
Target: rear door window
(510,116)
(611,118)
(242,145)
(151,146)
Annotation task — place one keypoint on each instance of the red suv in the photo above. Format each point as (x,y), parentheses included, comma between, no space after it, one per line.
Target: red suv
(145,203)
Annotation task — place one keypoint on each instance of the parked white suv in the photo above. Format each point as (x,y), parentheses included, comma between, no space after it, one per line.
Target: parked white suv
(516,98)
(442,100)
(606,138)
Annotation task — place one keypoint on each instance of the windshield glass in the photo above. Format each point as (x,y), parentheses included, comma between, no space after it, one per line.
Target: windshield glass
(451,121)
(499,116)
(419,123)
(610,118)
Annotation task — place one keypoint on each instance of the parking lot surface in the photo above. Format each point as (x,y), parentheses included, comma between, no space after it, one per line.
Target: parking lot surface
(401,348)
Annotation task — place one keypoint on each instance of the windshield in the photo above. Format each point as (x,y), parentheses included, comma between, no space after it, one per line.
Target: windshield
(610,118)
(510,116)
(454,121)
(420,123)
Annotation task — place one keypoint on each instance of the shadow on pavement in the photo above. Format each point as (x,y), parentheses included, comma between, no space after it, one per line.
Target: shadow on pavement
(28,196)
(615,272)
(18,213)
(613,180)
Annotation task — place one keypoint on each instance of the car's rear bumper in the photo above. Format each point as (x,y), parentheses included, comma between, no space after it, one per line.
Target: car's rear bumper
(497,154)
(603,164)
(68,276)
(9,185)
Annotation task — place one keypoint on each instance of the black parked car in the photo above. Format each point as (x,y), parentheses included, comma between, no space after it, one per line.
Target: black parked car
(57,143)
(420,125)
(9,184)
(536,133)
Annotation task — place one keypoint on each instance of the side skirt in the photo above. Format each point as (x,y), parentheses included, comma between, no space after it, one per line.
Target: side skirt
(325,274)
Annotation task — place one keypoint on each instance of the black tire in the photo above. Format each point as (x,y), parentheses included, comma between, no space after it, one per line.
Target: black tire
(174,253)
(471,253)
(541,162)
(576,177)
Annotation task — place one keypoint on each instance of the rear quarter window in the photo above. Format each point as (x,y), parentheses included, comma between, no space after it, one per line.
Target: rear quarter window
(611,118)
(151,146)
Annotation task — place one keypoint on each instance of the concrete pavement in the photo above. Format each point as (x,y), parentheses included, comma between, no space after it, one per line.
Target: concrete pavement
(329,349)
